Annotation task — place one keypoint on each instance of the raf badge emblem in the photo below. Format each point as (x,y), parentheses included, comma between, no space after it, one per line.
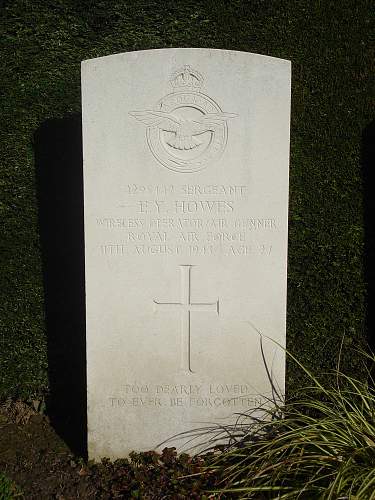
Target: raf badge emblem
(186,130)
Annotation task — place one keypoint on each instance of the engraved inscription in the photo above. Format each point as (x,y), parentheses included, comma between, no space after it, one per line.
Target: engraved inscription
(187,220)
(187,189)
(212,395)
(192,402)
(185,306)
(186,130)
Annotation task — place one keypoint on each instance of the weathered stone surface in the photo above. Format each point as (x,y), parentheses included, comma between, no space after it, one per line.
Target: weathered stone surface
(186,157)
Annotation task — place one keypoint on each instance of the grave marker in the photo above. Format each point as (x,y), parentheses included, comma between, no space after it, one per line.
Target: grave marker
(186,156)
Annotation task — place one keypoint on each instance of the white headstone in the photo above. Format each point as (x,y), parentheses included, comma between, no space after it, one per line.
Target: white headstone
(186,156)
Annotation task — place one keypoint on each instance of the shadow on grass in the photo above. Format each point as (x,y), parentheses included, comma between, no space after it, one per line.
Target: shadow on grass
(58,160)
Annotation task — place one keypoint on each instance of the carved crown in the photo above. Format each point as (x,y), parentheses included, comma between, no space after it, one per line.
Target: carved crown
(186,78)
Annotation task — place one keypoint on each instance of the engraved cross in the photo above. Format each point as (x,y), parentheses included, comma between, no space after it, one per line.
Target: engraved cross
(185,306)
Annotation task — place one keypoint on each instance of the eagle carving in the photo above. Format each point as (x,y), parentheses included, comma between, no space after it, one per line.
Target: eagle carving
(185,131)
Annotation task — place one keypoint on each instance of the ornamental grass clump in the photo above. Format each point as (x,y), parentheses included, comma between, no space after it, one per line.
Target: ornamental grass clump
(321,446)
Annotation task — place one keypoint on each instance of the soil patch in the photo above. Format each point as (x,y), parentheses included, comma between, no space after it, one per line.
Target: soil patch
(42,466)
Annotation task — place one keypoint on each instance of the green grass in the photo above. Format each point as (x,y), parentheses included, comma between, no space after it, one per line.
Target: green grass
(42,43)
